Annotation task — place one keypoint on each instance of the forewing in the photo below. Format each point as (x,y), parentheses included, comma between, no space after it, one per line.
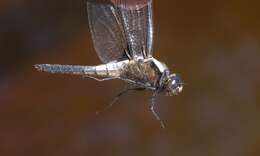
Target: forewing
(105,30)
(121,29)
(138,25)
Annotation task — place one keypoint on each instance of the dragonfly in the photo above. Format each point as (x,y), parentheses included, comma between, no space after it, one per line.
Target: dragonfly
(122,35)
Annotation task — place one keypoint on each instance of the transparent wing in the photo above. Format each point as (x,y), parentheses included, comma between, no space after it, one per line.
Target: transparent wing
(106,30)
(121,29)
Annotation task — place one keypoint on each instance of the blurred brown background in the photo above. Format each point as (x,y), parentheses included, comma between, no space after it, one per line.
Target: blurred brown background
(214,45)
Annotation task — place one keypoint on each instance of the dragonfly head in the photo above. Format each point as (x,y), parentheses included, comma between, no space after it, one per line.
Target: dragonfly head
(175,85)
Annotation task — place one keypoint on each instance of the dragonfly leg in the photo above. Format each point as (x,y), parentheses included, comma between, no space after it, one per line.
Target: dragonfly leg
(100,79)
(135,83)
(124,91)
(151,107)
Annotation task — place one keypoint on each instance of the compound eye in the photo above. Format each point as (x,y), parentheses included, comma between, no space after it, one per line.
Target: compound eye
(173,82)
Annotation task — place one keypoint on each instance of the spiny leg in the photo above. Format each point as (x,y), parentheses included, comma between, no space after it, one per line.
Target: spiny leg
(124,91)
(136,83)
(151,107)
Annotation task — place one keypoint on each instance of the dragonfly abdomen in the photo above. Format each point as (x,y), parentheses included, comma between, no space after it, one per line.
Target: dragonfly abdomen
(66,69)
(103,70)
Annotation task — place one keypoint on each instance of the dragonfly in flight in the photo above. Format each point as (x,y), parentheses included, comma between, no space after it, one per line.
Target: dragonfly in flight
(122,34)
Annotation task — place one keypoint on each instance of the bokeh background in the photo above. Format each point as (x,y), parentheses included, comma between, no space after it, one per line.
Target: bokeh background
(213,45)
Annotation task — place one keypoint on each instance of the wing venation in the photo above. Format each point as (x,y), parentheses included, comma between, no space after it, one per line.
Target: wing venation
(121,29)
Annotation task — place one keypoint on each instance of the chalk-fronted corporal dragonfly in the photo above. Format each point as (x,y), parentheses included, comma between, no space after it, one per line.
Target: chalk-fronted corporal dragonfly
(122,34)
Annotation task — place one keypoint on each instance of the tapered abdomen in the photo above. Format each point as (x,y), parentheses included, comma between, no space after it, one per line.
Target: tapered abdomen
(103,70)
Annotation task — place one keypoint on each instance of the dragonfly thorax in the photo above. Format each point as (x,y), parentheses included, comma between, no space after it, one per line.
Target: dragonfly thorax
(142,71)
(153,73)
